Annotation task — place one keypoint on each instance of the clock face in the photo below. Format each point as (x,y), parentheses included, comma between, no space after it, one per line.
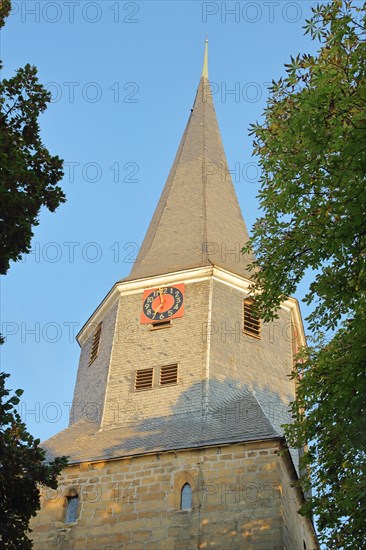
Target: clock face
(162,304)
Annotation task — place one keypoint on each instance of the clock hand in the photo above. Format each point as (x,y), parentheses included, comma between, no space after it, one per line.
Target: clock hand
(156,311)
(161,296)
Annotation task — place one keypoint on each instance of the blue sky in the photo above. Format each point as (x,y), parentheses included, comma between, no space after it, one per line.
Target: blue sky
(123,77)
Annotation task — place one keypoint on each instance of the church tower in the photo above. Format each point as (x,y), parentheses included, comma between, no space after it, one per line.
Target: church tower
(175,434)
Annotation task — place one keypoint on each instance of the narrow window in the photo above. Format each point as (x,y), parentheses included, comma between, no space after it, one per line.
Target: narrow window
(186,497)
(144,379)
(252,325)
(72,504)
(95,345)
(168,375)
(161,324)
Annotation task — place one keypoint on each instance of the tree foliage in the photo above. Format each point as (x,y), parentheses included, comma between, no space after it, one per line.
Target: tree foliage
(29,174)
(22,468)
(312,150)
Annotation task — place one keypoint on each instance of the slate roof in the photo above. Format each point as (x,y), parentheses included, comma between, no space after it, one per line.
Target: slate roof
(198,220)
(235,421)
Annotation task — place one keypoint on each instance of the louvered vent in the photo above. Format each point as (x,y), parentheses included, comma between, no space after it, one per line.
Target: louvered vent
(252,325)
(168,375)
(144,379)
(161,324)
(95,345)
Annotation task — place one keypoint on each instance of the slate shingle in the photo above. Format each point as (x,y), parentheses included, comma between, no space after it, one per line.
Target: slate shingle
(235,421)
(197,221)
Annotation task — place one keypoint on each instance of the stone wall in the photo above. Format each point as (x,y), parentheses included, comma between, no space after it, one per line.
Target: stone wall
(241,499)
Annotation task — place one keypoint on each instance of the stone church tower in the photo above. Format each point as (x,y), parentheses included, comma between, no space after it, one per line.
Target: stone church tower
(175,430)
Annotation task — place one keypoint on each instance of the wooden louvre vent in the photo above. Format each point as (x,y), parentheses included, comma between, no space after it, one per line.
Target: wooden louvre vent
(95,345)
(161,324)
(168,375)
(144,379)
(252,325)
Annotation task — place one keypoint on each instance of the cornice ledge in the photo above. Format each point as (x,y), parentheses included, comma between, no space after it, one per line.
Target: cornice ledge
(125,288)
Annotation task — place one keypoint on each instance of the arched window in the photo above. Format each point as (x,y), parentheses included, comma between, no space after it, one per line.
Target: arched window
(72,505)
(186,497)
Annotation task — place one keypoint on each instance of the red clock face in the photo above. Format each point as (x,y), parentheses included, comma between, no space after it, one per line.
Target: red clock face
(162,304)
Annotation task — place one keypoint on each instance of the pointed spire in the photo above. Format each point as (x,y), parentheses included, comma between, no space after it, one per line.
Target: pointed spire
(197,221)
(205,60)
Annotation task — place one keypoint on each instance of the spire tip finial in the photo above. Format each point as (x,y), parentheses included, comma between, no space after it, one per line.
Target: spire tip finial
(205,60)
